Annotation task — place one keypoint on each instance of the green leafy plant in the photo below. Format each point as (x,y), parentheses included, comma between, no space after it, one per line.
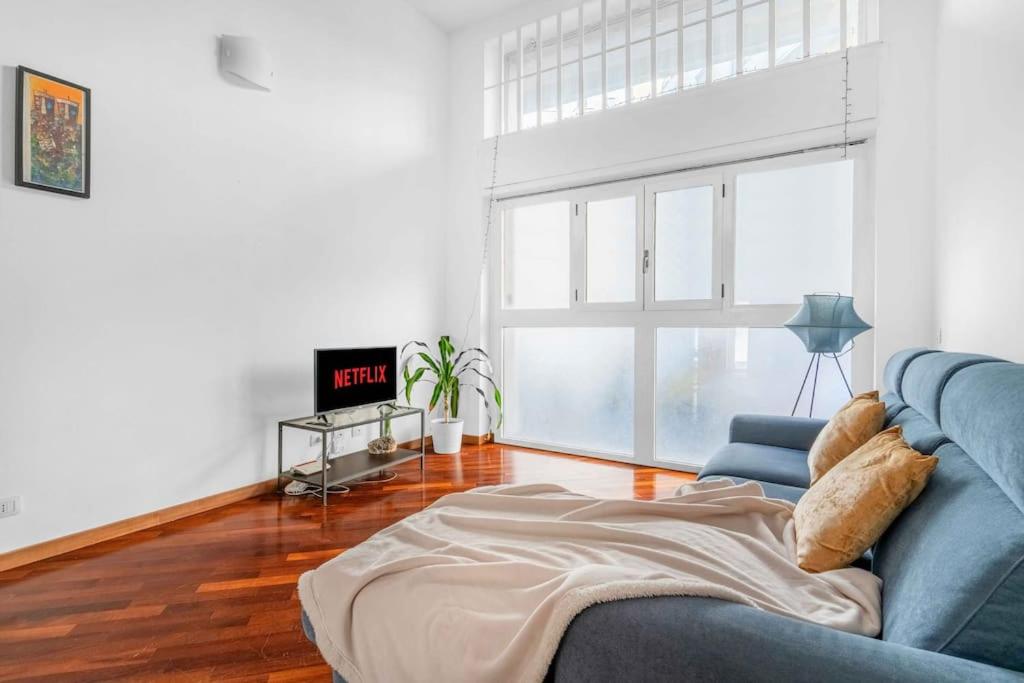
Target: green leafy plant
(449,373)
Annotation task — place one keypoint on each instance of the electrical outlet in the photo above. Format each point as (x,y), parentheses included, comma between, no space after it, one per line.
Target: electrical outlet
(10,506)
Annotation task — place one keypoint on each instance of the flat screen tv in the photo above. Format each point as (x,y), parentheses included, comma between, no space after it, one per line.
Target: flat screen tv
(346,378)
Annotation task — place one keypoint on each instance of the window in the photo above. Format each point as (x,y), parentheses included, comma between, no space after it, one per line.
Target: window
(634,319)
(570,386)
(604,54)
(536,256)
(794,233)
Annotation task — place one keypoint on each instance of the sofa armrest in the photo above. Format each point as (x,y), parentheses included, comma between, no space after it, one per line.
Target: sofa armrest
(703,639)
(775,430)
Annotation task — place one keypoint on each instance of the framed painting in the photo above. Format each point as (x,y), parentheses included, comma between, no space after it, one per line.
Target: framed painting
(52,138)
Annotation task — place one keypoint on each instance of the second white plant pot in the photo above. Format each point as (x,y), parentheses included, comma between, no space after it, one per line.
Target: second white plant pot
(447,436)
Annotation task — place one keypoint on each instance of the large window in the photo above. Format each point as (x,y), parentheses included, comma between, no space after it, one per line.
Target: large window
(635,319)
(605,54)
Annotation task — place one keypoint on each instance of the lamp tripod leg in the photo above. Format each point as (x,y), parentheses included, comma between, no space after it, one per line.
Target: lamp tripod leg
(802,385)
(842,374)
(814,387)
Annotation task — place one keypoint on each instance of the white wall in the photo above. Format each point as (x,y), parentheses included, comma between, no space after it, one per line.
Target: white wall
(152,335)
(980,204)
(905,180)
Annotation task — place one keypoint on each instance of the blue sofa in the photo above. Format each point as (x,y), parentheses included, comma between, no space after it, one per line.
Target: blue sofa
(952,564)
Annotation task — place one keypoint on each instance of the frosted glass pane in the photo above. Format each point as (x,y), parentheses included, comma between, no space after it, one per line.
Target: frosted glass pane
(683,247)
(641,26)
(549,42)
(853,36)
(755,38)
(510,56)
(668,62)
(511,107)
(492,111)
(705,376)
(640,67)
(593,29)
(571,90)
(611,250)
(530,52)
(536,256)
(794,233)
(529,96)
(570,387)
(694,11)
(789,31)
(570,35)
(695,56)
(615,65)
(719,7)
(668,17)
(593,85)
(549,97)
(492,62)
(825,30)
(616,24)
(723,47)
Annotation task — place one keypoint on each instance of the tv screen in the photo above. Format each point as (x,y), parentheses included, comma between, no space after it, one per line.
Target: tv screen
(345,378)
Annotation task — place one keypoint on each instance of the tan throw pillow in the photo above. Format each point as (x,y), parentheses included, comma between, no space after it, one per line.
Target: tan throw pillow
(856,422)
(855,502)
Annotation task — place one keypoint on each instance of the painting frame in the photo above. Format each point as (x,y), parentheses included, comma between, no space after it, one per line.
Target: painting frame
(23,125)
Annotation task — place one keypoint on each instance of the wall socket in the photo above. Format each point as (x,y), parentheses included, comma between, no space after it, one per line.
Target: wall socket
(10,506)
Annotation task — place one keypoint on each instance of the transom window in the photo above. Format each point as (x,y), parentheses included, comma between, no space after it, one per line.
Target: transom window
(605,54)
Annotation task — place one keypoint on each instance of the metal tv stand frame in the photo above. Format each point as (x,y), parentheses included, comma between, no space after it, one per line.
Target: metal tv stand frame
(348,466)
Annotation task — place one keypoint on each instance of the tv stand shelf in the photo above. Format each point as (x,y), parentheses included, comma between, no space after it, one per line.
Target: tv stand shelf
(349,466)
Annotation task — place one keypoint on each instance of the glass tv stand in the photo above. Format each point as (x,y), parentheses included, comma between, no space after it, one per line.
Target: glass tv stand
(342,468)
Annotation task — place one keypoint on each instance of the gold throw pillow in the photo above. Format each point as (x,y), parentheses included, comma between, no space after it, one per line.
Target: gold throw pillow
(855,502)
(856,422)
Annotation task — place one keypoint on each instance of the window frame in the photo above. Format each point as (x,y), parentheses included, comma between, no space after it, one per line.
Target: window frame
(647,321)
(684,181)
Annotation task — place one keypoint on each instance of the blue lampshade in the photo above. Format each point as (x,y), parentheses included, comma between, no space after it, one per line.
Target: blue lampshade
(827,322)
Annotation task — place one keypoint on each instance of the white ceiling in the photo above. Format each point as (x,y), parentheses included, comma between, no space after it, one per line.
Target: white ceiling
(451,15)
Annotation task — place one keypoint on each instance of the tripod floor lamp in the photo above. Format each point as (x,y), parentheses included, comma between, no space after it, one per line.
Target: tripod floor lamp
(825,323)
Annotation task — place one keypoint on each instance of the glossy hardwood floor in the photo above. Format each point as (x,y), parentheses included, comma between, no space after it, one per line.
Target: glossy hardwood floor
(213,597)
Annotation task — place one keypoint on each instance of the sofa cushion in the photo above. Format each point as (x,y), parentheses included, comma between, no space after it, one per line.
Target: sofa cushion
(846,511)
(851,427)
(926,376)
(892,376)
(994,435)
(918,431)
(785,466)
(953,567)
(893,405)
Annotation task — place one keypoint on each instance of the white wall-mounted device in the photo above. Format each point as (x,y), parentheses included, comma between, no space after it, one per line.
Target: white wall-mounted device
(243,60)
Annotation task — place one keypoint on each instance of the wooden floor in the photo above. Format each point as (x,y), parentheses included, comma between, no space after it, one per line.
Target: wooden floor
(213,597)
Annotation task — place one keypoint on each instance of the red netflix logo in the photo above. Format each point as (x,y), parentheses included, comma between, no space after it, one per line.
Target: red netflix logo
(362,375)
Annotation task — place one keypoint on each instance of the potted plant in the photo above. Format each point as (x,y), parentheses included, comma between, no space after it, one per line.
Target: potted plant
(449,373)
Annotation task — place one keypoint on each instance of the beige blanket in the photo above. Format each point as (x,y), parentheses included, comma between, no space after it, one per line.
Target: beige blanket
(481,585)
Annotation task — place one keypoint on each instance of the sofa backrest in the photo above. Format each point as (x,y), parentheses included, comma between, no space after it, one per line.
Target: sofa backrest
(952,565)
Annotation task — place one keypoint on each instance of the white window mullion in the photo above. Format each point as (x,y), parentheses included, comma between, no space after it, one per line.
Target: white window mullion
(771,34)
(842,25)
(628,95)
(519,80)
(654,48)
(679,46)
(558,67)
(739,37)
(708,64)
(807,28)
(540,75)
(604,54)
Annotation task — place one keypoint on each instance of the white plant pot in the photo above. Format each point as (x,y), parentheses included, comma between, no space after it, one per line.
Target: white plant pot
(447,436)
